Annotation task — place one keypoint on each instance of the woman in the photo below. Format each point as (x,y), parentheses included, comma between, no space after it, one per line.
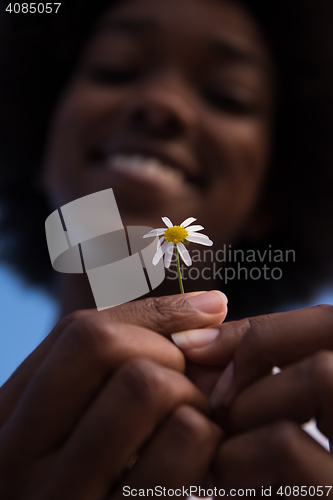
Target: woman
(197,95)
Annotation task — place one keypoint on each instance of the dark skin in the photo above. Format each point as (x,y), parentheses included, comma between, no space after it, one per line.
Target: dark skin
(105,387)
(66,420)
(205,110)
(264,411)
(93,394)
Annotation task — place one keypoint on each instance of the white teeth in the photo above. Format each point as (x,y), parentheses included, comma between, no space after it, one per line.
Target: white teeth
(151,168)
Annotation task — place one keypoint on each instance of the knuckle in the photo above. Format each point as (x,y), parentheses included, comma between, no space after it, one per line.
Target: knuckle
(141,380)
(90,335)
(321,369)
(191,428)
(171,312)
(163,308)
(69,320)
(284,438)
(237,329)
(257,330)
(76,316)
(253,328)
(259,326)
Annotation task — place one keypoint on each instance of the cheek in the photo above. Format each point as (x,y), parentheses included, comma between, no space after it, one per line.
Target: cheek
(241,154)
(71,136)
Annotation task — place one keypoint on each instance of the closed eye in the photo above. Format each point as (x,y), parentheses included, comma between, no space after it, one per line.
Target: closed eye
(227,102)
(112,76)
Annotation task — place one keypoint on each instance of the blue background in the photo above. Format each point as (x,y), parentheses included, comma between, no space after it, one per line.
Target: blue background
(26,317)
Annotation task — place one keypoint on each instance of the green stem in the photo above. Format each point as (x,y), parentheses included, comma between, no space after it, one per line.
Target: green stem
(179,272)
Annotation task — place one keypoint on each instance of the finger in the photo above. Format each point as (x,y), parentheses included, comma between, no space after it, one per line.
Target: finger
(280,454)
(177,458)
(211,346)
(173,313)
(263,342)
(164,315)
(82,360)
(125,414)
(13,388)
(203,376)
(300,392)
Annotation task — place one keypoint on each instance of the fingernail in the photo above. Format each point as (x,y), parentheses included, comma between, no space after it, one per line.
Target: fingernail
(209,302)
(222,387)
(195,338)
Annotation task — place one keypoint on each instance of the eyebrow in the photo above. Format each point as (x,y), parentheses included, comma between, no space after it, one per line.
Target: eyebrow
(232,52)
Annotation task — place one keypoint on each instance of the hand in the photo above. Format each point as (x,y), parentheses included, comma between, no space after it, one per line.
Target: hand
(96,333)
(67,413)
(267,445)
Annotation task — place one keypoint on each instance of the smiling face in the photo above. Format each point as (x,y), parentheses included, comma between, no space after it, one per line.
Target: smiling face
(170,105)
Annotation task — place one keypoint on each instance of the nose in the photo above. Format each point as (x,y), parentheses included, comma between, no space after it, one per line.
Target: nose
(161,112)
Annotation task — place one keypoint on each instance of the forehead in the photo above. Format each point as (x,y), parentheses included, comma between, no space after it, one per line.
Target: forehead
(190,19)
(217,13)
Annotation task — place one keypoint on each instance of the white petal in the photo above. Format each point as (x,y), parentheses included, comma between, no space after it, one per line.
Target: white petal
(200,238)
(161,240)
(184,254)
(192,229)
(203,236)
(157,257)
(155,232)
(159,254)
(188,221)
(167,221)
(168,254)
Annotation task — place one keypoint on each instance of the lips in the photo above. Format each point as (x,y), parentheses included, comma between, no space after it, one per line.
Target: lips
(147,167)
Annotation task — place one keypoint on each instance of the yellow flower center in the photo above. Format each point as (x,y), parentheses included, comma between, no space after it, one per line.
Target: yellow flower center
(175,234)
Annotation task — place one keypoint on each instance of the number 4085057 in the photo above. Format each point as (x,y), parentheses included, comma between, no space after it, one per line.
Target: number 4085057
(33,8)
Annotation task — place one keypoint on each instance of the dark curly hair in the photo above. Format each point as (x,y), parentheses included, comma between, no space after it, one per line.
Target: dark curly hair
(298,192)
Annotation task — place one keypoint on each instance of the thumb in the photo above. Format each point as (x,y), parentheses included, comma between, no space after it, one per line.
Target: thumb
(173,313)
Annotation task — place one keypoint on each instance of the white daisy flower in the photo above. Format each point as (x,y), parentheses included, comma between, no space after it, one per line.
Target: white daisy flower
(174,237)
